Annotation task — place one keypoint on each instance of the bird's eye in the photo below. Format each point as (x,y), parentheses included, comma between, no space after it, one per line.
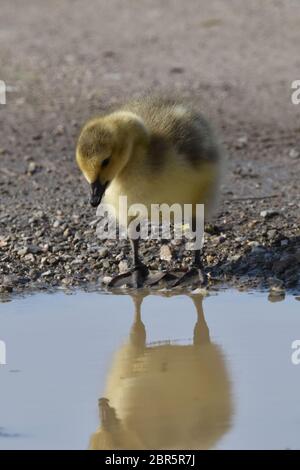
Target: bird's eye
(105,162)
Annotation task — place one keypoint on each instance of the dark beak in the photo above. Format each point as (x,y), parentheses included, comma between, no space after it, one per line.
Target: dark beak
(97,191)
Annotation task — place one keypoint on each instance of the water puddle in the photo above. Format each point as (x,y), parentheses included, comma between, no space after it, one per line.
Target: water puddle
(115,371)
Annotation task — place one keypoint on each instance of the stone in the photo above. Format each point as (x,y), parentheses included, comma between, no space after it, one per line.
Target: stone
(123,266)
(23,251)
(241,142)
(294,154)
(165,253)
(32,167)
(268,213)
(103,252)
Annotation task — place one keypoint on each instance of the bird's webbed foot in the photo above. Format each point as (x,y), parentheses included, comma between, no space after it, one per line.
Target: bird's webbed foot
(140,273)
(135,277)
(140,276)
(194,276)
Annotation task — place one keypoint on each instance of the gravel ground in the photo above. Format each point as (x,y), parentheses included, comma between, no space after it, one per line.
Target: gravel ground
(65,61)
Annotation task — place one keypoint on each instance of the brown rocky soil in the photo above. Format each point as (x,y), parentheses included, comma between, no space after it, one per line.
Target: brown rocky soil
(66,60)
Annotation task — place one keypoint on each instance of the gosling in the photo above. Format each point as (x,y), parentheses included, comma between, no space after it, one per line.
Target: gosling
(153,151)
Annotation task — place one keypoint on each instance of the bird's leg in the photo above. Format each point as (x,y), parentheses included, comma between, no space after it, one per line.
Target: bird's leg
(137,275)
(139,270)
(198,266)
(196,273)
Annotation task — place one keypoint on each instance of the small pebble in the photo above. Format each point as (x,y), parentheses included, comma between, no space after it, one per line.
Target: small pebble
(268,213)
(294,153)
(123,266)
(241,142)
(32,167)
(165,253)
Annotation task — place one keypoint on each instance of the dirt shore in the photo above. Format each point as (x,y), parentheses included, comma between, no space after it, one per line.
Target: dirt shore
(65,61)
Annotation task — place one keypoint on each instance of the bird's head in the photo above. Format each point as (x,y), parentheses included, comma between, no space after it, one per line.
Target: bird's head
(105,146)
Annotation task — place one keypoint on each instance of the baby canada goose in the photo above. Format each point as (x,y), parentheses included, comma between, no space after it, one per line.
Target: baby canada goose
(153,151)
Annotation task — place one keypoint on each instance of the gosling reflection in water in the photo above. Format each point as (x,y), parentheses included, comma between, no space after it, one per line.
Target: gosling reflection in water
(165,396)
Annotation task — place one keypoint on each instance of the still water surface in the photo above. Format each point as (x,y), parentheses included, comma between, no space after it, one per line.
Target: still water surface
(103,371)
